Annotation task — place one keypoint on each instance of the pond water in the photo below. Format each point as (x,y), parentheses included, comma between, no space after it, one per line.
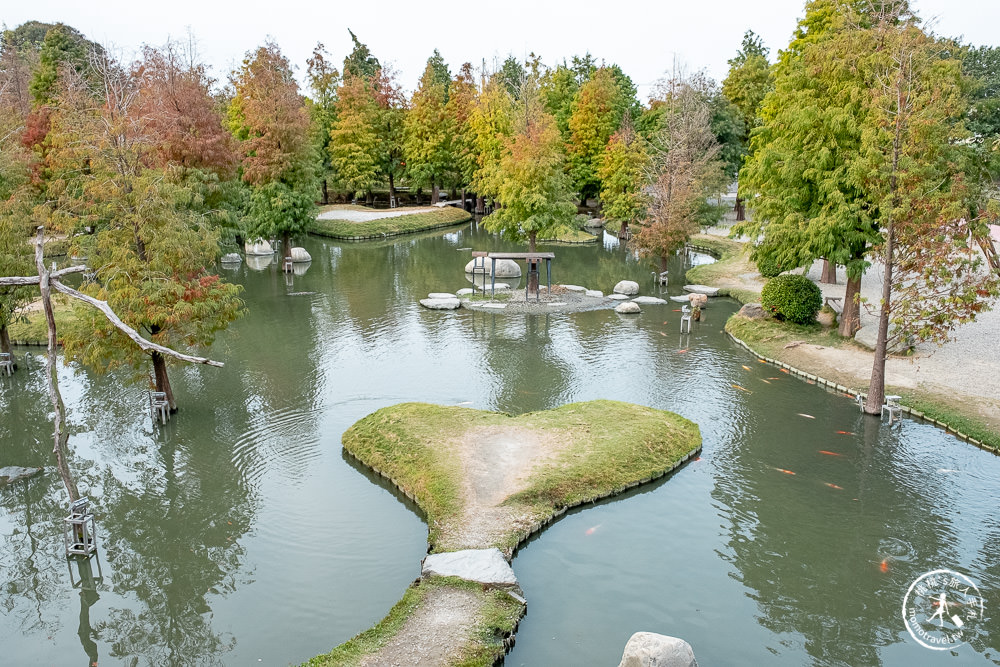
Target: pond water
(240,534)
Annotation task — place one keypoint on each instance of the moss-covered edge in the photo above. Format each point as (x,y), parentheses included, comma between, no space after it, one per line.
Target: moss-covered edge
(495,625)
(447,216)
(754,335)
(629,451)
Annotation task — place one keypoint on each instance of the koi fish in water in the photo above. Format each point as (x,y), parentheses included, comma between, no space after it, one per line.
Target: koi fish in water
(784,370)
(592,529)
(787,472)
(884,565)
(845,433)
(745,367)
(823,451)
(736,386)
(834,486)
(802,414)
(765,381)
(682,351)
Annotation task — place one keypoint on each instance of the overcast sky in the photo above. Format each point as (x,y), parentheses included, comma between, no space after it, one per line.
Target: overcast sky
(644,38)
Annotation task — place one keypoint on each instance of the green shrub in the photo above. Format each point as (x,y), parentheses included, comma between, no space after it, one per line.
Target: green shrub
(768,266)
(793,298)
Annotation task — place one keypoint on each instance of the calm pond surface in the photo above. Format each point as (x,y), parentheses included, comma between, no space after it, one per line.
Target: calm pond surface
(239,534)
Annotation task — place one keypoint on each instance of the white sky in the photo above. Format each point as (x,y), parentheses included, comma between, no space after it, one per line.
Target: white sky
(643,37)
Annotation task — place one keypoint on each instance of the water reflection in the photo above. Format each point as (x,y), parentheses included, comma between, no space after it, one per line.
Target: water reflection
(240,533)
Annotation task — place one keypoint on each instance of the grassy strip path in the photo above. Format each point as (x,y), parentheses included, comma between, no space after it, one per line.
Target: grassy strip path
(386,226)
(486,479)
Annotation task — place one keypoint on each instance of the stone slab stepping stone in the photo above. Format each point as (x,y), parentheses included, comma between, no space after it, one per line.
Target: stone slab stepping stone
(495,306)
(464,291)
(575,288)
(498,286)
(618,297)
(595,293)
(11,474)
(627,308)
(440,295)
(683,298)
(649,300)
(484,566)
(702,289)
(441,304)
(558,303)
(629,287)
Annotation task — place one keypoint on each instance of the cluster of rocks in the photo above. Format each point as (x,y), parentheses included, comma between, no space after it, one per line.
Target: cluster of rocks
(623,297)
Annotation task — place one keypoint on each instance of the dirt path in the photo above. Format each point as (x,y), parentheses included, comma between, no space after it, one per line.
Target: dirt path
(435,634)
(497,462)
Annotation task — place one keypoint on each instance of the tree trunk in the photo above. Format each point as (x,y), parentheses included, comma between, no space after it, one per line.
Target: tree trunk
(326,193)
(5,340)
(435,192)
(464,207)
(480,204)
(286,245)
(876,386)
(850,318)
(369,198)
(453,195)
(663,263)
(741,210)
(532,276)
(829,276)
(392,191)
(162,380)
(624,233)
(60,435)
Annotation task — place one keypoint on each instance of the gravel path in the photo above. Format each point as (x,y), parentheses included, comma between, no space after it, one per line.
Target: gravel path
(367,216)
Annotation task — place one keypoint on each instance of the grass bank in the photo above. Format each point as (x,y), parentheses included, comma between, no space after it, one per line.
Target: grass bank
(730,272)
(572,236)
(769,337)
(497,619)
(31,328)
(382,227)
(608,447)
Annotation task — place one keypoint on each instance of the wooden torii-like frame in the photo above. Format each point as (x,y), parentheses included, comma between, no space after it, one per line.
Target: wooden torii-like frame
(47,280)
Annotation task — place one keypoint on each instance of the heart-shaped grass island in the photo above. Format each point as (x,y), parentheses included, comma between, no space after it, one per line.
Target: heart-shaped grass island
(485,482)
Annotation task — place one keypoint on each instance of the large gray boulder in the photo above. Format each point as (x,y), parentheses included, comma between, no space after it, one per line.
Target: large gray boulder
(648,649)
(258,248)
(754,311)
(574,288)
(441,304)
(11,474)
(627,308)
(504,268)
(698,300)
(594,223)
(484,566)
(301,255)
(629,287)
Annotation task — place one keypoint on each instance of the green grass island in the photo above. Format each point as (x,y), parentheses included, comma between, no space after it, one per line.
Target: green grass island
(489,480)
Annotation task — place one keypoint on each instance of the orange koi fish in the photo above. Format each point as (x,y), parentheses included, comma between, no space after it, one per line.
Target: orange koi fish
(763,361)
(784,370)
(834,486)
(787,472)
(823,451)
(592,529)
(845,433)
(682,351)
(745,367)
(884,565)
(736,386)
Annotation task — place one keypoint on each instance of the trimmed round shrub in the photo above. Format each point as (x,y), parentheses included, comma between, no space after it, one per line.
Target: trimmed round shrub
(768,266)
(793,298)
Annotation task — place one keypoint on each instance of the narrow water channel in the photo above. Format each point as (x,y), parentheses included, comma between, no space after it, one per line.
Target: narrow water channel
(239,533)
